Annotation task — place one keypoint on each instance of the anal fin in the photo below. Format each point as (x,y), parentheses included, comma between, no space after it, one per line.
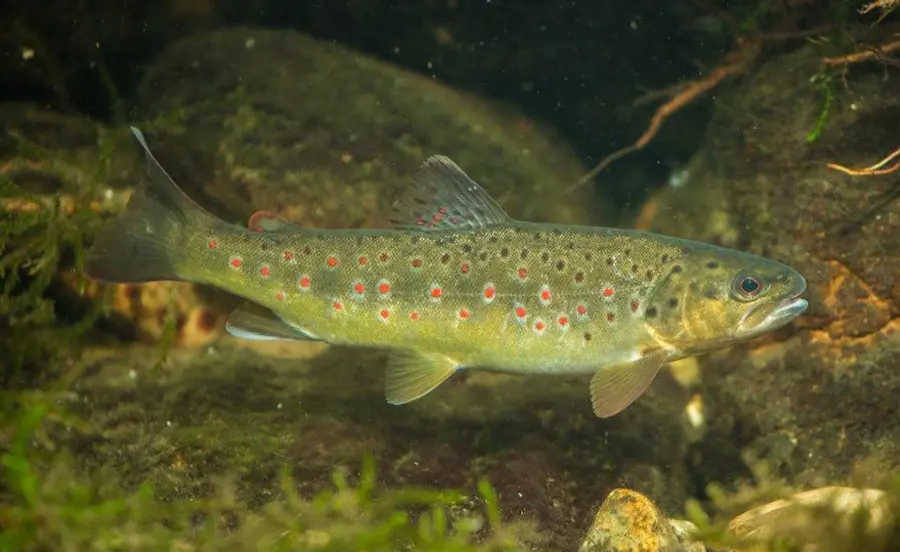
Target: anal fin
(412,374)
(252,321)
(614,388)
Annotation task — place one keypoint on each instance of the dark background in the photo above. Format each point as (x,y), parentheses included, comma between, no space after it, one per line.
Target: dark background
(576,66)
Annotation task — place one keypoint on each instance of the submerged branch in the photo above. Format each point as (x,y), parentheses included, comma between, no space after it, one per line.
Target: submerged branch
(873,170)
(875,53)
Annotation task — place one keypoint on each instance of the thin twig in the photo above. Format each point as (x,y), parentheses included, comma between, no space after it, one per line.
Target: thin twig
(874,170)
(874,53)
(689,92)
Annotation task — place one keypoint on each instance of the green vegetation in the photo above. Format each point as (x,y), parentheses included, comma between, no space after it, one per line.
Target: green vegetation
(49,504)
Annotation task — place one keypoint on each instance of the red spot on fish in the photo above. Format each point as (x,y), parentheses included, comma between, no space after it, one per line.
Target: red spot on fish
(438,218)
(264,271)
(383,257)
(464,314)
(416,263)
(385,314)
(545,296)
(338,306)
(212,244)
(236,262)
(523,273)
(464,269)
(280,296)
(414,315)
(581,310)
(489,293)
(384,287)
(608,292)
(436,292)
(359,288)
(563,321)
(634,305)
(521,312)
(420,221)
(539,326)
(304,283)
(332,262)
(288,256)
(363,261)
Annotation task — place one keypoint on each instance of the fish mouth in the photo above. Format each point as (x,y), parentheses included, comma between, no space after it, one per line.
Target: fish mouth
(768,317)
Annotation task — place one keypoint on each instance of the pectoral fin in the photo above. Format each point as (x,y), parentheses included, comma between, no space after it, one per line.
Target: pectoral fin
(613,388)
(252,321)
(412,374)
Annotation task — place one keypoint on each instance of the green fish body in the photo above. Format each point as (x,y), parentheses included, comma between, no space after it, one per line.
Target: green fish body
(457,283)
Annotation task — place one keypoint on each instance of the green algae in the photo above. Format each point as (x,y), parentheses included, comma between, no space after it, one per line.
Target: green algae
(48,502)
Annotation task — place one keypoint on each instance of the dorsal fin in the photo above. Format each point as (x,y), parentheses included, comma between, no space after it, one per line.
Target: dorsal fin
(443,197)
(264,221)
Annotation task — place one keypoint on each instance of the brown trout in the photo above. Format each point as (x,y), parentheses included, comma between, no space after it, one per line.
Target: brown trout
(457,283)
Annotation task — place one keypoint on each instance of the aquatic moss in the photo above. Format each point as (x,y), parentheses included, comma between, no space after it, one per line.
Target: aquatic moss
(49,503)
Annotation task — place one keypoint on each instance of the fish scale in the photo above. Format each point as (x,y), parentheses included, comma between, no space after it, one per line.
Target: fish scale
(456,283)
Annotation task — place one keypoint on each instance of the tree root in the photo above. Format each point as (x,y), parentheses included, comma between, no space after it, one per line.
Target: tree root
(873,170)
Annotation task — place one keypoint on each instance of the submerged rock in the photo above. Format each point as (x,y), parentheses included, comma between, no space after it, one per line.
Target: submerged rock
(816,400)
(328,137)
(829,519)
(628,521)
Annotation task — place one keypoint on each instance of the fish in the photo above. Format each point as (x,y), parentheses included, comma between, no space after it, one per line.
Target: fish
(455,283)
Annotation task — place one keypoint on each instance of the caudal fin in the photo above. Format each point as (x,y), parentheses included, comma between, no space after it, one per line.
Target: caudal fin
(138,245)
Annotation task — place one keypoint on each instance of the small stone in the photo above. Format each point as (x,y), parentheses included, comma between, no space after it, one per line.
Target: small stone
(628,521)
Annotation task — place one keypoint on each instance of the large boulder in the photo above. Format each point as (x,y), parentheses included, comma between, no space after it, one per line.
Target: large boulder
(817,400)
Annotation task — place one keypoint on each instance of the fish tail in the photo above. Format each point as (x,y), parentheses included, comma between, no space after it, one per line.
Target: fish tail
(142,243)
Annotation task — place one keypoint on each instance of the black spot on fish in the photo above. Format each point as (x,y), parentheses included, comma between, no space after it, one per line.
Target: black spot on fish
(307,250)
(414,239)
(649,274)
(627,252)
(650,312)
(537,236)
(710,293)
(570,246)
(664,259)
(579,277)
(610,317)
(677,269)
(588,256)
(264,246)
(609,261)
(483,255)
(524,253)
(587,336)
(634,269)
(445,258)
(493,239)
(673,302)
(712,264)
(693,286)
(467,248)
(555,231)
(504,252)
(560,264)
(545,256)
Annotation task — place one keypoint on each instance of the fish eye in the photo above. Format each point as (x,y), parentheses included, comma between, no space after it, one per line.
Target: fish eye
(747,286)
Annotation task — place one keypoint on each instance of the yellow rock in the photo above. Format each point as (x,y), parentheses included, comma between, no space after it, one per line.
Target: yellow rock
(628,521)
